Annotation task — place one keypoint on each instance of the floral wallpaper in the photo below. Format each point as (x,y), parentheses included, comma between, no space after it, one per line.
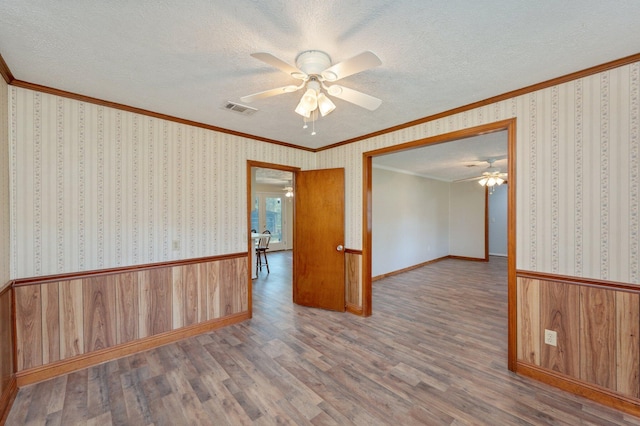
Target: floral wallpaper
(5,223)
(577,173)
(93,187)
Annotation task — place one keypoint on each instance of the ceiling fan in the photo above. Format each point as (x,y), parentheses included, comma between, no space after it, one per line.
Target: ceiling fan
(314,69)
(492,176)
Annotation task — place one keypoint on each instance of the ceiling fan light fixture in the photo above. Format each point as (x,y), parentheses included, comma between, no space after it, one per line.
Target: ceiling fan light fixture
(325,105)
(303,111)
(308,103)
(483,181)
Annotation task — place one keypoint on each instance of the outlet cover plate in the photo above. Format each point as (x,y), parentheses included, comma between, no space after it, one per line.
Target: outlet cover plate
(550,337)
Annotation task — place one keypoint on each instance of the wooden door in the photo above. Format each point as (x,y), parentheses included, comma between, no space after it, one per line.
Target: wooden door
(318,239)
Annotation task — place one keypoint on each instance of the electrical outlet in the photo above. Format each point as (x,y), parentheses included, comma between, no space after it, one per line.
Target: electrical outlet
(176,245)
(551,337)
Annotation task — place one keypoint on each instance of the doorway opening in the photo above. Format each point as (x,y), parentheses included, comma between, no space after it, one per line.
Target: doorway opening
(269,209)
(508,126)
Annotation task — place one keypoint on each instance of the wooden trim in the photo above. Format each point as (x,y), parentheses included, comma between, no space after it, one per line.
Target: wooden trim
(354,309)
(14,330)
(587,390)
(119,270)
(587,282)
(469,259)
(469,132)
(510,126)
(9,78)
(5,71)
(135,110)
(367,225)
(263,165)
(486,224)
(6,288)
(352,251)
(512,285)
(249,244)
(45,372)
(7,398)
(508,95)
(410,268)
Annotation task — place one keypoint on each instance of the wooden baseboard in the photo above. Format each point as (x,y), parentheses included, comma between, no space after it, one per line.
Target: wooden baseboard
(587,390)
(7,398)
(45,372)
(410,268)
(470,259)
(355,309)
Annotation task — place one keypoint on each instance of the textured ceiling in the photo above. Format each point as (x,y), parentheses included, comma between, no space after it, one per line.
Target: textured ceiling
(186,59)
(450,161)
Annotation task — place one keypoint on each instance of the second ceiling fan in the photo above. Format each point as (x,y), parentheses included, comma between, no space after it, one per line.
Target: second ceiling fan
(314,69)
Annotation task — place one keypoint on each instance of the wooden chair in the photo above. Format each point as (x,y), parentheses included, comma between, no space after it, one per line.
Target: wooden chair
(261,251)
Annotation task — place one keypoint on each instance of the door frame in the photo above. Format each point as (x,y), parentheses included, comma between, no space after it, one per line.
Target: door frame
(262,165)
(510,126)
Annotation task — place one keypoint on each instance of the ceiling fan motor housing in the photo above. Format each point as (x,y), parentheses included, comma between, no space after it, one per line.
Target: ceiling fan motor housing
(313,62)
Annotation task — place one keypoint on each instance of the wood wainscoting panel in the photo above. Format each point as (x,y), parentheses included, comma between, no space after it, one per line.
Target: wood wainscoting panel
(29,328)
(159,301)
(50,322)
(598,336)
(127,307)
(71,319)
(561,314)
(8,387)
(628,343)
(528,295)
(353,283)
(598,332)
(64,318)
(99,310)
(240,295)
(209,280)
(177,297)
(234,289)
(191,294)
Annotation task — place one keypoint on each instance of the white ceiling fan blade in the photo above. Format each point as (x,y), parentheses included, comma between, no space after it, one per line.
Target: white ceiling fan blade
(468,179)
(358,63)
(269,59)
(358,98)
(269,93)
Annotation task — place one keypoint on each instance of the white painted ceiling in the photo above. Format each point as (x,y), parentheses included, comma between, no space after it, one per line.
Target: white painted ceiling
(450,161)
(186,59)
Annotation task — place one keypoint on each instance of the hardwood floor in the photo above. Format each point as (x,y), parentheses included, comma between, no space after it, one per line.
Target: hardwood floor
(434,352)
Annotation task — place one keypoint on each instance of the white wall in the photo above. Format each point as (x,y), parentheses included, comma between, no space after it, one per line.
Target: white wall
(498,220)
(466,220)
(410,220)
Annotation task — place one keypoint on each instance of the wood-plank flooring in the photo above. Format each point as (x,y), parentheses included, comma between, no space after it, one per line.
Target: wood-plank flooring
(433,353)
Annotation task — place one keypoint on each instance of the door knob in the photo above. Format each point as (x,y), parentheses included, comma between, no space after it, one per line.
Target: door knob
(340,248)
